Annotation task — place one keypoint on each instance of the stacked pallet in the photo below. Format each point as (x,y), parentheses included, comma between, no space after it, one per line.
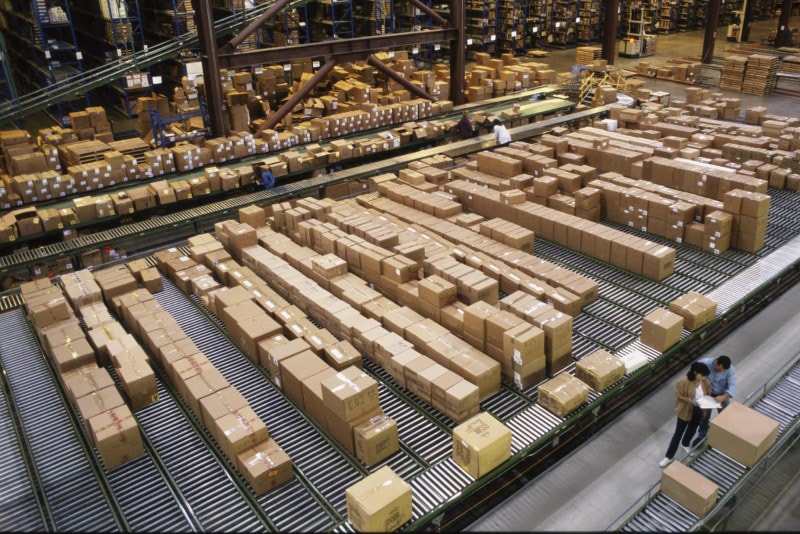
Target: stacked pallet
(733,73)
(130,147)
(585,55)
(82,152)
(790,65)
(761,71)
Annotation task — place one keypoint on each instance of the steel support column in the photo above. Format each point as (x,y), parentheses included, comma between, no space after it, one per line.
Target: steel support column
(458,51)
(204,19)
(435,17)
(273,10)
(712,20)
(381,66)
(744,31)
(784,35)
(610,9)
(297,97)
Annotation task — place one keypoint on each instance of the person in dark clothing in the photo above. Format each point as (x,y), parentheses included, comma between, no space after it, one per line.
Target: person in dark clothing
(464,126)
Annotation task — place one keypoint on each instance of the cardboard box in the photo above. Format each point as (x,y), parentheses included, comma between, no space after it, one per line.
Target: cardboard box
(265,466)
(85,381)
(380,502)
(742,433)
(238,431)
(350,393)
(221,403)
(98,402)
(342,355)
(481,444)
(201,385)
(296,369)
(312,396)
(689,488)
(696,309)
(116,435)
(376,439)
(139,382)
(600,369)
(73,355)
(661,329)
(436,291)
(563,394)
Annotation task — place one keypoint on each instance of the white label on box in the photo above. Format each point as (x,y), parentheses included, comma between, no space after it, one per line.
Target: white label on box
(717,234)
(517,357)
(517,380)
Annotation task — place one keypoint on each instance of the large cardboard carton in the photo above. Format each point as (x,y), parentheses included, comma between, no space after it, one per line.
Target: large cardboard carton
(221,403)
(376,439)
(97,403)
(661,329)
(689,488)
(238,431)
(350,393)
(742,433)
(202,385)
(381,502)
(342,355)
(85,381)
(600,369)
(563,394)
(696,309)
(436,291)
(481,444)
(312,396)
(139,382)
(265,466)
(116,435)
(72,355)
(296,369)
(461,400)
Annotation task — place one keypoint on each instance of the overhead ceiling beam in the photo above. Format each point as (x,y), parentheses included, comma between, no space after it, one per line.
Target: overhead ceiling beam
(338,47)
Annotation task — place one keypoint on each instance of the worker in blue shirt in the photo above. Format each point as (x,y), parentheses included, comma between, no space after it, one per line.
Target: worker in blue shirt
(267,179)
(723,388)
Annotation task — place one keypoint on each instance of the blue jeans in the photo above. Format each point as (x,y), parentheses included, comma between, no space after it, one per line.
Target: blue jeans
(702,430)
(684,430)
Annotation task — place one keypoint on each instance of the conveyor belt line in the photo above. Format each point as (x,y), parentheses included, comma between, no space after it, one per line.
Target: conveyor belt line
(21,498)
(80,502)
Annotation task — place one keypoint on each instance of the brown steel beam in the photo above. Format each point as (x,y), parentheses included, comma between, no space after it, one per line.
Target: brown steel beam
(337,47)
(298,96)
(712,19)
(610,8)
(458,52)
(437,18)
(204,19)
(273,10)
(381,66)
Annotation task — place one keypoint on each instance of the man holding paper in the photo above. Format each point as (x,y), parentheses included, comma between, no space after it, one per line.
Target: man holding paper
(723,388)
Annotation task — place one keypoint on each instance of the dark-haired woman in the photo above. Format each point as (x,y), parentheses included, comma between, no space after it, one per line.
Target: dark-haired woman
(688,389)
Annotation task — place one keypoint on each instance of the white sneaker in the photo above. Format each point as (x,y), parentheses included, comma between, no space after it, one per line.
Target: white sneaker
(665,462)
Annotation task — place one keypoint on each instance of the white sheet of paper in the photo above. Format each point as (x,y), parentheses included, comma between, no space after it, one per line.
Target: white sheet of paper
(707,402)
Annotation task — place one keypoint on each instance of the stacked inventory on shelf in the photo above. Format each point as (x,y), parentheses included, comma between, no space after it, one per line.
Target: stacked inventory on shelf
(727,15)
(43,48)
(375,17)
(336,17)
(585,55)
(240,7)
(589,19)
(790,65)
(667,17)
(290,27)
(481,25)
(7,89)
(511,24)
(538,24)
(165,19)
(760,77)
(733,68)
(563,25)
(114,33)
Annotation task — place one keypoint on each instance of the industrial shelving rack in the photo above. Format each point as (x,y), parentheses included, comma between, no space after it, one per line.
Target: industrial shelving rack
(590,21)
(169,19)
(512,20)
(481,25)
(374,17)
(337,18)
(538,24)
(114,33)
(44,49)
(667,19)
(239,8)
(563,28)
(291,27)
(7,89)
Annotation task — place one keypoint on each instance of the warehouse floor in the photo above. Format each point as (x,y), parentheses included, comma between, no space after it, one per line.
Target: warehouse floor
(598,483)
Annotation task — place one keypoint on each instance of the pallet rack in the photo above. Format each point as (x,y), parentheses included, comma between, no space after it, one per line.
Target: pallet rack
(114,34)
(7,89)
(481,25)
(590,21)
(170,19)
(538,24)
(44,49)
(512,17)
(563,26)
(667,17)
(336,17)
(239,8)
(375,17)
